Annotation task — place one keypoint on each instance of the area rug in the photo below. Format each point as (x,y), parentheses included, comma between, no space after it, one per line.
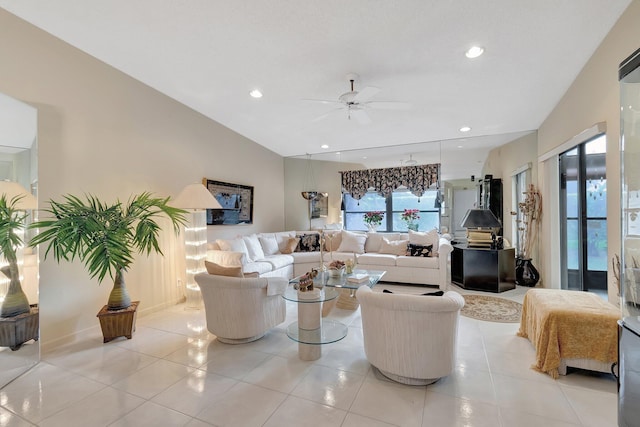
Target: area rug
(491,309)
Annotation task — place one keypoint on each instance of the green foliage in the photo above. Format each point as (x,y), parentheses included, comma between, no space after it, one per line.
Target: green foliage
(11,221)
(105,238)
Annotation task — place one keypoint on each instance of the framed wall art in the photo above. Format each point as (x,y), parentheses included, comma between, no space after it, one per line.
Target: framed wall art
(236,201)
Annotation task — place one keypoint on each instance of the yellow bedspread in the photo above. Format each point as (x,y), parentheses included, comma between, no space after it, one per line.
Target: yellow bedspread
(569,324)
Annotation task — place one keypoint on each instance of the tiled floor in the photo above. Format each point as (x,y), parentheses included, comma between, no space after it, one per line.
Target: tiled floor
(173,373)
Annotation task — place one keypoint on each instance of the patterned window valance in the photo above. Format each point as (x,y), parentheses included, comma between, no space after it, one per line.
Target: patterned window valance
(384,181)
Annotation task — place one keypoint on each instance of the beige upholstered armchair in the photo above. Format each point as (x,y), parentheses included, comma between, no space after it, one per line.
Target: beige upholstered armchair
(410,338)
(240,310)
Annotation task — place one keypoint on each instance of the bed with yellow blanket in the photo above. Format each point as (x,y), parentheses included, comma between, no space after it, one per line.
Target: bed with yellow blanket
(570,328)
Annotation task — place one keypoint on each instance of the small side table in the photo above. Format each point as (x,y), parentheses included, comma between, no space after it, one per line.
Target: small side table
(311,331)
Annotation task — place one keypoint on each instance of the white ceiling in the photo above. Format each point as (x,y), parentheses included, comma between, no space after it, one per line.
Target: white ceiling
(208,54)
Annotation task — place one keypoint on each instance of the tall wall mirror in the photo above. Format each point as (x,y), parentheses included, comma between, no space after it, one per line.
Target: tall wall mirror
(20,349)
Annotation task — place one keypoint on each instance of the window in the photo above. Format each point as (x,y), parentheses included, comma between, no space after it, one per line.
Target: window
(393,207)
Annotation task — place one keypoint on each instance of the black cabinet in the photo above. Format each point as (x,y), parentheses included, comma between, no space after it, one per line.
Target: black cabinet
(480,269)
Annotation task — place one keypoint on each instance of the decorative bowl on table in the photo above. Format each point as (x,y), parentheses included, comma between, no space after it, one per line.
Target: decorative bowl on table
(335,272)
(336,268)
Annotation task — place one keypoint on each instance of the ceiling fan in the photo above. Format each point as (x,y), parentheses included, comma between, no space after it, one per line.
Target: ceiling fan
(356,102)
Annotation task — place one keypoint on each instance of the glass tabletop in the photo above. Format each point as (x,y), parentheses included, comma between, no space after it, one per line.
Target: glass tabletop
(328,332)
(315,296)
(344,281)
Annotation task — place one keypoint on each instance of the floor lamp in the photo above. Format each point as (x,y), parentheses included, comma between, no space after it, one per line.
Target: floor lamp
(198,199)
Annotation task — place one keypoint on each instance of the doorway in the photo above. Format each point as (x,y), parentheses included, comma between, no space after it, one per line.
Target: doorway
(583,216)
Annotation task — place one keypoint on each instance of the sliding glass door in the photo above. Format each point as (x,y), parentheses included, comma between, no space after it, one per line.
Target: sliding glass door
(583,216)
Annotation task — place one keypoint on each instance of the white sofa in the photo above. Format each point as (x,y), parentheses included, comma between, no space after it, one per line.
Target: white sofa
(262,254)
(240,310)
(410,338)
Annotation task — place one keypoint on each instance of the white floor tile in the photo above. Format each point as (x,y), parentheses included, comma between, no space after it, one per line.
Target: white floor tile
(152,415)
(9,419)
(234,361)
(355,420)
(594,408)
(444,410)
(516,417)
(99,409)
(298,412)
(278,374)
(153,379)
(390,402)
(534,397)
(154,342)
(244,405)
(467,384)
(329,386)
(195,392)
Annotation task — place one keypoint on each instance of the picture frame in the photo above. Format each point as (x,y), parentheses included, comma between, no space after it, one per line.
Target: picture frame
(320,206)
(236,201)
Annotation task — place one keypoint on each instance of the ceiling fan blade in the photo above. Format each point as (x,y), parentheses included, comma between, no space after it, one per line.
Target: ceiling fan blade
(360,116)
(366,94)
(386,105)
(323,116)
(322,101)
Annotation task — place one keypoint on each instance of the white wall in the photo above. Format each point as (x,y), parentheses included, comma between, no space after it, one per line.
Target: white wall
(104,133)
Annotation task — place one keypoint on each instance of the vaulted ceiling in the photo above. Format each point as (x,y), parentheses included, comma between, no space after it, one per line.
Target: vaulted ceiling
(209,54)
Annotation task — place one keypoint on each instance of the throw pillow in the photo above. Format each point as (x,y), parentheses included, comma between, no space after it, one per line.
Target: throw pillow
(352,242)
(398,247)
(283,238)
(419,250)
(235,245)
(219,270)
(332,240)
(425,238)
(269,245)
(309,243)
(253,247)
(226,258)
(290,245)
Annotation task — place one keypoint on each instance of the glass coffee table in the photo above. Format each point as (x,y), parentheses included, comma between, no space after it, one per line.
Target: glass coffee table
(311,330)
(347,299)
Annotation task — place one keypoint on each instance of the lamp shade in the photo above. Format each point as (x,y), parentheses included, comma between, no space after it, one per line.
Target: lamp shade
(480,218)
(11,189)
(196,196)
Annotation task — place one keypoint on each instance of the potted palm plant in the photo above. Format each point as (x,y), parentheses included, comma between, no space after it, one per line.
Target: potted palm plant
(105,238)
(18,320)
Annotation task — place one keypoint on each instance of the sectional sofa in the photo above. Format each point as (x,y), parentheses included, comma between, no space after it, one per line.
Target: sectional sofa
(413,258)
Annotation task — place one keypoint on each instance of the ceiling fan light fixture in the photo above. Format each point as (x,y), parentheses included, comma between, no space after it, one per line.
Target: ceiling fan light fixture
(474,52)
(411,162)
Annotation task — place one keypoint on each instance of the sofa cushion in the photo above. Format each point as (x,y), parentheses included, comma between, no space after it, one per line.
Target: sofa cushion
(425,238)
(283,238)
(278,261)
(419,250)
(226,258)
(269,244)
(254,247)
(377,259)
(219,270)
(309,243)
(332,240)
(306,257)
(290,246)
(418,262)
(235,245)
(398,247)
(352,242)
(259,267)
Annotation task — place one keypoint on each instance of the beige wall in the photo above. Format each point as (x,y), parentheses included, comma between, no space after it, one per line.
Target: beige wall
(105,133)
(592,98)
(502,162)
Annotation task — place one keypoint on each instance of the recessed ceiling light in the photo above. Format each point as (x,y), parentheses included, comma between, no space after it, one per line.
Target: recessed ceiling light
(365,157)
(338,153)
(459,146)
(474,52)
(325,146)
(465,129)
(255,93)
